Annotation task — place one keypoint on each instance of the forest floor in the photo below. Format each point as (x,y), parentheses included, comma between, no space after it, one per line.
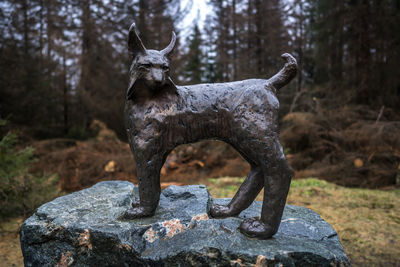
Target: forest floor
(353,146)
(367,221)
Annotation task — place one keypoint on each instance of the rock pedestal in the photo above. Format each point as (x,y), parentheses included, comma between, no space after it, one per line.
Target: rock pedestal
(85,229)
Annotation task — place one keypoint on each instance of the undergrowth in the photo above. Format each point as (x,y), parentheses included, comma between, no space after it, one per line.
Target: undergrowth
(20,190)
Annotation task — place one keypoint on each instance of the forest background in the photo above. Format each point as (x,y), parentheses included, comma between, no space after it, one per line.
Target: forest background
(64,74)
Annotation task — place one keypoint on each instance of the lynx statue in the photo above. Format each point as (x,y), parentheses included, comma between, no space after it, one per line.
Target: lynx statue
(160,116)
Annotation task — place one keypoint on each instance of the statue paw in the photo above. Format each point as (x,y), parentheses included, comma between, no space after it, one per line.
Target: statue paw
(256,228)
(135,203)
(220,211)
(136,212)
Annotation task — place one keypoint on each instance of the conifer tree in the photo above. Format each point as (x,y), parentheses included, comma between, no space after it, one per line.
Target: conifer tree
(193,71)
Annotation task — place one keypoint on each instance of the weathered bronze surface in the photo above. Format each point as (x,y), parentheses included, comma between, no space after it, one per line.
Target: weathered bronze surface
(160,116)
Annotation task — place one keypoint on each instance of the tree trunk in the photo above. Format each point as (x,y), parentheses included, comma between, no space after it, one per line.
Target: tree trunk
(234,41)
(142,25)
(65,93)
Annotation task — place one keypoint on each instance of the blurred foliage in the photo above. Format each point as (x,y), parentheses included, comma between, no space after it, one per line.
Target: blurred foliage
(21,191)
(308,182)
(78,133)
(224,187)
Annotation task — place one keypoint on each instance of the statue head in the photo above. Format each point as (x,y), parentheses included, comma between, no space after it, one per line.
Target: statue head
(150,68)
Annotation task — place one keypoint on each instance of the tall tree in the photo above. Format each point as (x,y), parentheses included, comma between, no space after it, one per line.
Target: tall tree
(251,37)
(210,54)
(351,41)
(193,71)
(65,62)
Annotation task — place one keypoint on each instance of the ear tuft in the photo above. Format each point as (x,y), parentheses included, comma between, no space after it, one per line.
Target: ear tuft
(170,48)
(135,45)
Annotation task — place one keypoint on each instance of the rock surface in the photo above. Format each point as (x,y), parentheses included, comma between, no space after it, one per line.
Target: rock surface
(84,229)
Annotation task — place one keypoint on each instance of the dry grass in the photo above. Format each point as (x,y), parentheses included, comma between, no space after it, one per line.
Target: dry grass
(10,250)
(367,221)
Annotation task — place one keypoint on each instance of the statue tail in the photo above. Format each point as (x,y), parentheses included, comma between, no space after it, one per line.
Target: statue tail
(286,74)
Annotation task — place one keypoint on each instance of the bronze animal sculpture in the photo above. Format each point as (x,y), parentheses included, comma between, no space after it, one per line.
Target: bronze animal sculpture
(160,116)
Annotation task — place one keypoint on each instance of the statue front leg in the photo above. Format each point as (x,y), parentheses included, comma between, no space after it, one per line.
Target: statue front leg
(148,171)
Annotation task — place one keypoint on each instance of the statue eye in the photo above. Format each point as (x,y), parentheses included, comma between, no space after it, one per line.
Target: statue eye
(145,66)
(165,67)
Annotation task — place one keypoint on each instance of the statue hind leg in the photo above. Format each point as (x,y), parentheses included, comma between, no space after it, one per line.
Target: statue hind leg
(277,176)
(243,198)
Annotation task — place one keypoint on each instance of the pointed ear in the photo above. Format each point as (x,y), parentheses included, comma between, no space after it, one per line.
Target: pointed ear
(135,45)
(170,48)
(131,88)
